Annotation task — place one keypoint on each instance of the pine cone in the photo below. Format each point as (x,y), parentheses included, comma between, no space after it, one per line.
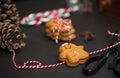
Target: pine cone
(11,37)
(8,11)
(10,32)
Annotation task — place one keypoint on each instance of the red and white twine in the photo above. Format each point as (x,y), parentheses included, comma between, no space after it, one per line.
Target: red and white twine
(39,65)
(108,47)
(62,23)
(113,34)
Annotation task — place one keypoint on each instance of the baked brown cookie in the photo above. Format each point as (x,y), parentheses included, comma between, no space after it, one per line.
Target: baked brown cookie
(60,30)
(73,55)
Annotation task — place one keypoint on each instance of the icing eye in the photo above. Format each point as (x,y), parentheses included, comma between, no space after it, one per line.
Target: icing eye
(67,45)
(77,53)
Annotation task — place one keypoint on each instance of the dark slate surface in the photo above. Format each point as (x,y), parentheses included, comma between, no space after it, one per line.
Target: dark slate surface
(44,49)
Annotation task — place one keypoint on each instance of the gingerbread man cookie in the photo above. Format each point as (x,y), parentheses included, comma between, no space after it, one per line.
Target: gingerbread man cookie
(73,55)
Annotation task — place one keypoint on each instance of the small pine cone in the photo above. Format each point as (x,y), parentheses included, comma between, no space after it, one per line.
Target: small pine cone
(11,37)
(8,11)
(10,32)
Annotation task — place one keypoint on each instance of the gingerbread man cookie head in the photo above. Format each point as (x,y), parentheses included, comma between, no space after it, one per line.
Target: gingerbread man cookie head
(73,55)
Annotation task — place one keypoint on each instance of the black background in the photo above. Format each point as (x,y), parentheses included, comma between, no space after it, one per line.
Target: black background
(44,49)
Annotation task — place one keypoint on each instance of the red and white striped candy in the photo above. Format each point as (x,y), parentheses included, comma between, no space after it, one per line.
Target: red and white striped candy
(37,18)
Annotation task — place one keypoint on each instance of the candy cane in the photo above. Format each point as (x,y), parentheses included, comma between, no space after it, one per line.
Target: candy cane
(36,19)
